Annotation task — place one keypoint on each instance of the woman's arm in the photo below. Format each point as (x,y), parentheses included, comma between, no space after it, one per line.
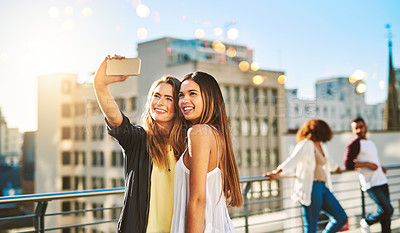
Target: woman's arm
(105,100)
(199,144)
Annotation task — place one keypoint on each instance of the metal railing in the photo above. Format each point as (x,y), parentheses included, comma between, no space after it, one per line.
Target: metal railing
(266,208)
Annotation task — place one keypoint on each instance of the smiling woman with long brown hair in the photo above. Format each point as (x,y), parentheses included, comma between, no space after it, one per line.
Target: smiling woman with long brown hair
(206,175)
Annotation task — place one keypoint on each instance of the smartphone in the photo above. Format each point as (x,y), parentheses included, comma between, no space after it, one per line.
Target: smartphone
(127,66)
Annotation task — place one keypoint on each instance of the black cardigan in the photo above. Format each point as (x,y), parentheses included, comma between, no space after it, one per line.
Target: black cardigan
(137,167)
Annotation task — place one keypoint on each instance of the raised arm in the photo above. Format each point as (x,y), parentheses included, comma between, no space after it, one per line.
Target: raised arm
(105,100)
(199,145)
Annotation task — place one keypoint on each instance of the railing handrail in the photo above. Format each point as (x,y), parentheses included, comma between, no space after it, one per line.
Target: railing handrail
(111,191)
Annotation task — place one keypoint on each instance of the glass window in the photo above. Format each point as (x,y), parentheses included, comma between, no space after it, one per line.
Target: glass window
(246,127)
(248,157)
(246,95)
(273,97)
(236,94)
(66,110)
(275,126)
(255,129)
(66,157)
(66,182)
(65,133)
(264,127)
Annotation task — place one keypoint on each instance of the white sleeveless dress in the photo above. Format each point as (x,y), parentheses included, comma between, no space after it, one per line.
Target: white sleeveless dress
(216,219)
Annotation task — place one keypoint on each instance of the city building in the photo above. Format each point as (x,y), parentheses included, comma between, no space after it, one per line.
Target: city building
(74,152)
(10,144)
(337,102)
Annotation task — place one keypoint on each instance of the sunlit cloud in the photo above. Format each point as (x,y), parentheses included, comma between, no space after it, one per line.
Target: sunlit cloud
(258,79)
(68,24)
(68,10)
(4,57)
(281,79)
(361,87)
(142,11)
(217,31)
(233,33)
(231,52)
(255,66)
(87,12)
(199,33)
(156,17)
(382,84)
(244,66)
(142,33)
(54,12)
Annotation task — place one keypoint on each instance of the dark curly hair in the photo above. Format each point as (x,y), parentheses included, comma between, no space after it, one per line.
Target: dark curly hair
(315,130)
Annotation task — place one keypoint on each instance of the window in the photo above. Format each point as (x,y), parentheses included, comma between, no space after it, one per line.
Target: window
(65,133)
(114,158)
(264,127)
(255,127)
(101,158)
(94,158)
(84,158)
(225,93)
(121,103)
(248,157)
(66,87)
(238,158)
(257,158)
(273,97)
(246,95)
(133,104)
(256,96)
(236,127)
(76,157)
(265,96)
(66,157)
(236,94)
(98,214)
(66,183)
(66,206)
(267,158)
(275,126)
(66,110)
(246,127)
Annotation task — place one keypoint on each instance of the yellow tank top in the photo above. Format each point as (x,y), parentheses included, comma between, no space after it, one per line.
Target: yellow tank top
(162,197)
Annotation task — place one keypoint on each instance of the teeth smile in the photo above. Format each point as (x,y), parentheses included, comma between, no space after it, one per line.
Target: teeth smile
(159,110)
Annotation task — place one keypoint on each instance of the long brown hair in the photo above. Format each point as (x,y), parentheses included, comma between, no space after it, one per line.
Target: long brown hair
(158,141)
(214,114)
(315,130)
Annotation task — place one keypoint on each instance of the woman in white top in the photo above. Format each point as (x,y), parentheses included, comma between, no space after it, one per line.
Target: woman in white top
(206,175)
(312,186)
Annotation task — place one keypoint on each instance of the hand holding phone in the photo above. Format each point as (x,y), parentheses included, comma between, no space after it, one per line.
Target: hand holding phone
(125,66)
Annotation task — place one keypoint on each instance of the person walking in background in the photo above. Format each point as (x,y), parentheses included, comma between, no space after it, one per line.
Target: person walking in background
(362,154)
(312,185)
(150,153)
(206,175)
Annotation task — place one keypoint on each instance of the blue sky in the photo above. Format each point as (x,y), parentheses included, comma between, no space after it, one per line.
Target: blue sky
(308,40)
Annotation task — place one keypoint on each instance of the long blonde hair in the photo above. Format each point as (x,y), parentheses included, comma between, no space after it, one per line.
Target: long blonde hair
(158,141)
(214,114)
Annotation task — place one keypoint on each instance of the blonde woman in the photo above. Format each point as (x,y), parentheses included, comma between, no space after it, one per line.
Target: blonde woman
(150,152)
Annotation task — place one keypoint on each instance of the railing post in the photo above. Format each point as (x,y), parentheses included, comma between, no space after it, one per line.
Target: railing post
(245,207)
(38,220)
(362,203)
